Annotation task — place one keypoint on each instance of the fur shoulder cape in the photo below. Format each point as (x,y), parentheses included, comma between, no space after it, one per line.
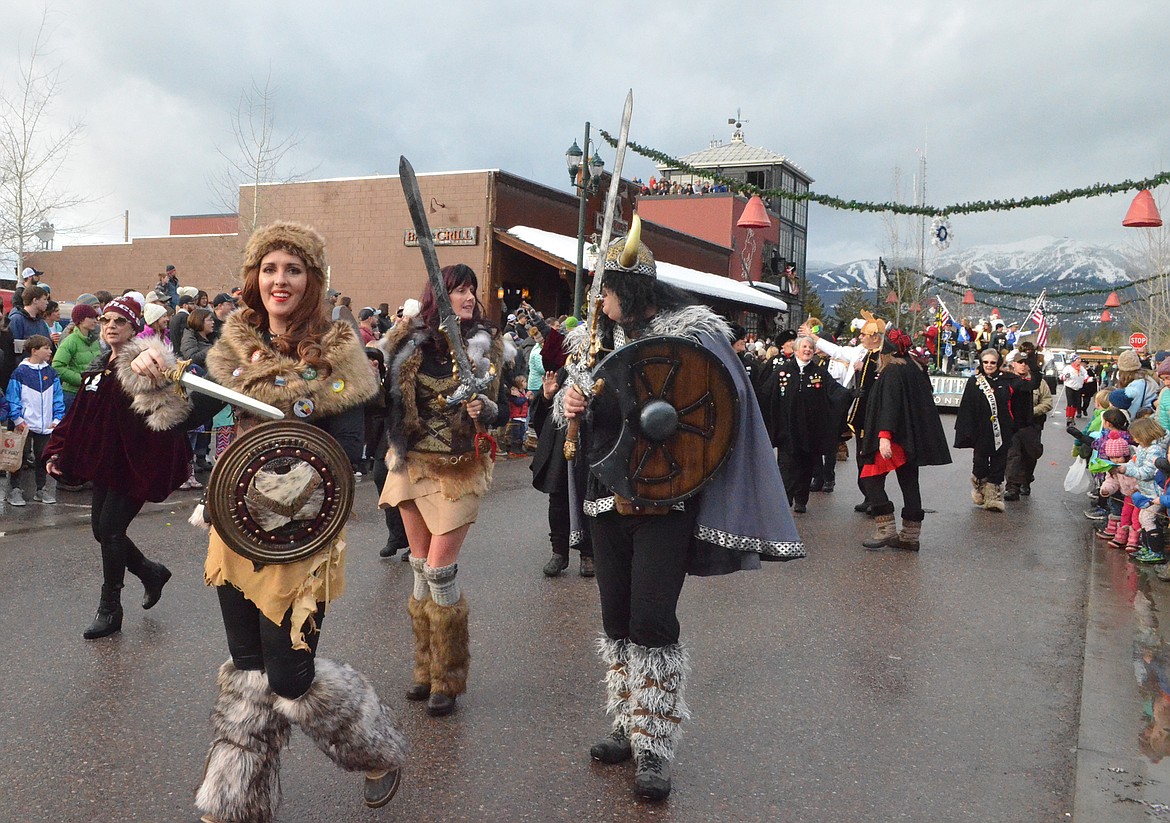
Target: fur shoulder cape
(402,349)
(243,361)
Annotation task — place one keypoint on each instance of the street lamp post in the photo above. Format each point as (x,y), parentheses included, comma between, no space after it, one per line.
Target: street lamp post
(585,173)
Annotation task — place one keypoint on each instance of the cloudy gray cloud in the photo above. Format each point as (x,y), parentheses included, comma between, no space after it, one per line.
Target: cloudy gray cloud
(1008,98)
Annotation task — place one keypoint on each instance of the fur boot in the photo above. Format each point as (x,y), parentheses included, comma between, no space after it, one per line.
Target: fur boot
(615,747)
(241,780)
(657,681)
(909,535)
(450,652)
(993,497)
(342,714)
(421,689)
(885,532)
(977,490)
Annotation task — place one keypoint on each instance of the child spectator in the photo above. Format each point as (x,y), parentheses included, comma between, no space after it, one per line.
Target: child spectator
(1117,450)
(36,405)
(1151,442)
(517,429)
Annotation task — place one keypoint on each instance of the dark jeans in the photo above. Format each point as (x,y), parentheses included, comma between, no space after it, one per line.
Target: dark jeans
(990,466)
(1021,467)
(641,565)
(109,517)
(256,643)
(874,489)
(37,443)
(558,524)
(797,470)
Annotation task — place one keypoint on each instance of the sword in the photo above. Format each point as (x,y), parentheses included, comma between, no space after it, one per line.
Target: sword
(470,384)
(581,367)
(185,382)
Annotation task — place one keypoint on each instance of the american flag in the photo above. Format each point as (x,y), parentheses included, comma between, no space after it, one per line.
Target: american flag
(1037,317)
(944,316)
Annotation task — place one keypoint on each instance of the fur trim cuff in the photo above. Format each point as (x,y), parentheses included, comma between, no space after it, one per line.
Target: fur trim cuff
(158,402)
(614,654)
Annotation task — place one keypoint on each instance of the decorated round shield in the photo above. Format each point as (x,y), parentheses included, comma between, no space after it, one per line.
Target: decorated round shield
(663,421)
(281,492)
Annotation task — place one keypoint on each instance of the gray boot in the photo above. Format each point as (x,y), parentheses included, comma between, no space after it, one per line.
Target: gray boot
(241,779)
(657,679)
(615,746)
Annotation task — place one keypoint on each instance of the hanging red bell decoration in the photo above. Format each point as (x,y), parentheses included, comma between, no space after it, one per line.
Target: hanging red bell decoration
(892,297)
(1112,301)
(1106,317)
(969,298)
(915,307)
(1143,212)
(754,216)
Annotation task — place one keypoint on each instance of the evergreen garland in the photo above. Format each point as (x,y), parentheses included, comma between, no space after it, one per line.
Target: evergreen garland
(973,207)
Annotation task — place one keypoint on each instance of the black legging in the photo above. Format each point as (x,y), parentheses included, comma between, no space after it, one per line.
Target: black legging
(256,643)
(110,515)
(1072,399)
(990,466)
(874,489)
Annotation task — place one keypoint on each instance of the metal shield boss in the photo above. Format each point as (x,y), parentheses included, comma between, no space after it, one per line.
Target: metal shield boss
(280,492)
(664,421)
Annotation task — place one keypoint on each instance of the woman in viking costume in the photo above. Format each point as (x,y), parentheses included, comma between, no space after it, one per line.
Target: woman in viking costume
(104,441)
(642,555)
(902,432)
(995,404)
(282,349)
(440,465)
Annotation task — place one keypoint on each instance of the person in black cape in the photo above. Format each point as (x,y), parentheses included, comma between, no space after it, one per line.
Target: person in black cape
(902,433)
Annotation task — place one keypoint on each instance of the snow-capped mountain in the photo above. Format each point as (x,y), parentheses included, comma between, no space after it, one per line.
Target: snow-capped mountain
(1054,263)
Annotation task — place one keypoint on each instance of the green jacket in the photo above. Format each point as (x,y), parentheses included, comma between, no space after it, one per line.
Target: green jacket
(73,357)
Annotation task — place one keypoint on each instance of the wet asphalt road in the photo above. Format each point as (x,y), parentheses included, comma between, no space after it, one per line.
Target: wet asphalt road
(852,685)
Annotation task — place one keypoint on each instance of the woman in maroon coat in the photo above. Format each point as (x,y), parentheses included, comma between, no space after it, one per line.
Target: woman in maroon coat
(103,441)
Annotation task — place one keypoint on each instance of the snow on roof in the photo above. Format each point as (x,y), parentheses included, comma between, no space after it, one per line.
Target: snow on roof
(711,285)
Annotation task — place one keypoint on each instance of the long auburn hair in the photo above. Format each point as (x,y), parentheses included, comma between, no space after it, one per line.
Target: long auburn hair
(307,324)
(453,277)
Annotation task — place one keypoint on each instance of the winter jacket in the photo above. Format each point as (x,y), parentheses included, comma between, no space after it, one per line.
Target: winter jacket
(23,326)
(195,348)
(34,397)
(73,357)
(1142,467)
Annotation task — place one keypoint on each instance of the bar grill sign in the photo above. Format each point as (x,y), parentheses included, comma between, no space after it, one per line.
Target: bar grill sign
(446,236)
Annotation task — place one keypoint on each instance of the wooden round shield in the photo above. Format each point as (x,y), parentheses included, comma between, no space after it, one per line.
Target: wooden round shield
(281,492)
(664,420)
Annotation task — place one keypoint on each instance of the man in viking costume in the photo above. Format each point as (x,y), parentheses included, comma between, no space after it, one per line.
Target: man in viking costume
(861,369)
(643,552)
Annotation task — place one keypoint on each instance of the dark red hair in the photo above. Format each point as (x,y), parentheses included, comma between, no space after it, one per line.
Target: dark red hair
(453,277)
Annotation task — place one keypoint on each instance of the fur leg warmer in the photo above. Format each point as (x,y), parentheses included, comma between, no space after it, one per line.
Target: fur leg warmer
(615,655)
(450,652)
(342,714)
(422,639)
(657,680)
(241,780)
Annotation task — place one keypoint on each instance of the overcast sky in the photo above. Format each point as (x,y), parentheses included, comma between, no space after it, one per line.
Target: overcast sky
(1008,98)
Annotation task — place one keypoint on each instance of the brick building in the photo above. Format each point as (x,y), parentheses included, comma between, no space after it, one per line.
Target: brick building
(370,245)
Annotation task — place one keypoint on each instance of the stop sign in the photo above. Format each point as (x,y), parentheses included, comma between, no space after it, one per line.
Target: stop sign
(1138,340)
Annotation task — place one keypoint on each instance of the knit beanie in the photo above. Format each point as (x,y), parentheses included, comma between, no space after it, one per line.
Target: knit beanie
(1118,399)
(1116,446)
(1129,361)
(128,307)
(1164,367)
(82,311)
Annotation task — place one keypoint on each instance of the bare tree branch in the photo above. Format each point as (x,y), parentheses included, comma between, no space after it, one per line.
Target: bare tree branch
(259,155)
(31,156)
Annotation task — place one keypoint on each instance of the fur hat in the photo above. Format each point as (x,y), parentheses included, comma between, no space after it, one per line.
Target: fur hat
(1116,445)
(1129,361)
(302,241)
(126,306)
